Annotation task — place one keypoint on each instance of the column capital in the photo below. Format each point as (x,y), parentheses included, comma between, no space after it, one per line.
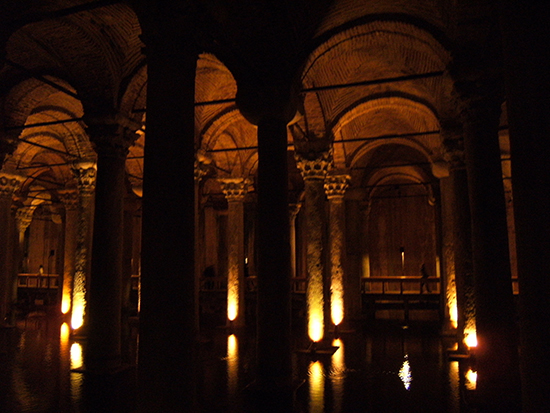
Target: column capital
(202,162)
(23,217)
(336,185)
(9,184)
(85,174)
(111,134)
(314,165)
(235,189)
(69,197)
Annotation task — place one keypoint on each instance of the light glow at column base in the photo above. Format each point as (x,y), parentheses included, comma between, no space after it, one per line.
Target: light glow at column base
(66,303)
(470,338)
(316,327)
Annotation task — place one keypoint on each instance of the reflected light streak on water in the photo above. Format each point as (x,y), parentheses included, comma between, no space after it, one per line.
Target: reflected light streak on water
(76,377)
(471,380)
(316,388)
(454,381)
(232,365)
(405,373)
(338,375)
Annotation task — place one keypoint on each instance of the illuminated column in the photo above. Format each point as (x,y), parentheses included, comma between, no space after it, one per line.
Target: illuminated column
(235,191)
(85,175)
(524,26)
(70,201)
(23,218)
(462,242)
(111,142)
(497,350)
(293,211)
(314,170)
(9,183)
(335,188)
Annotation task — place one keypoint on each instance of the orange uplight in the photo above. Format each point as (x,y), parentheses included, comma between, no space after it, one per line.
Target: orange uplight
(65,302)
(470,338)
(471,380)
(232,295)
(232,309)
(315,326)
(77,316)
(316,387)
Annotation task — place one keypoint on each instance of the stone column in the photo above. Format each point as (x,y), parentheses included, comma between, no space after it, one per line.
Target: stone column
(103,351)
(293,211)
(235,190)
(497,349)
(462,242)
(70,200)
(200,172)
(168,325)
(314,168)
(274,375)
(525,30)
(9,183)
(85,175)
(335,188)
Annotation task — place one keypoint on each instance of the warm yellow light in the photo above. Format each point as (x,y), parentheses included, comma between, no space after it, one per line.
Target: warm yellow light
(232,309)
(65,301)
(338,374)
(471,380)
(470,338)
(337,298)
(453,314)
(316,388)
(405,373)
(76,355)
(64,333)
(232,364)
(77,316)
(232,296)
(315,326)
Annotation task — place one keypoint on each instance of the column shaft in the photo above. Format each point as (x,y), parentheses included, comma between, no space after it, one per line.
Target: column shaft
(463,254)
(273,335)
(105,292)
(166,367)
(8,185)
(335,187)
(497,351)
(235,191)
(525,31)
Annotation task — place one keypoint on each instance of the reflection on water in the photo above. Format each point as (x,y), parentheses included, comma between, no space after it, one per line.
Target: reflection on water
(371,371)
(471,379)
(338,374)
(232,365)
(405,373)
(316,387)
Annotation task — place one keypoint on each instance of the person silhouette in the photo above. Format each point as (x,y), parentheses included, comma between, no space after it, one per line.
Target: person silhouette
(424,279)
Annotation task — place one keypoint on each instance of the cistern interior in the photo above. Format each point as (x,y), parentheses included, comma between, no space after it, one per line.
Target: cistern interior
(254,206)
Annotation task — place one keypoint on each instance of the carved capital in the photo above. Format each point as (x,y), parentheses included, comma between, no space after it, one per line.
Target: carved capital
(314,165)
(336,185)
(111,134)
(235,189)
(9,183)
(69,197)
(85,174)
(23,216)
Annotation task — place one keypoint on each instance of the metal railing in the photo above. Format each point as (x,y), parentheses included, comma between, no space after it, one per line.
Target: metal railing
(400,285)
(37,280)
